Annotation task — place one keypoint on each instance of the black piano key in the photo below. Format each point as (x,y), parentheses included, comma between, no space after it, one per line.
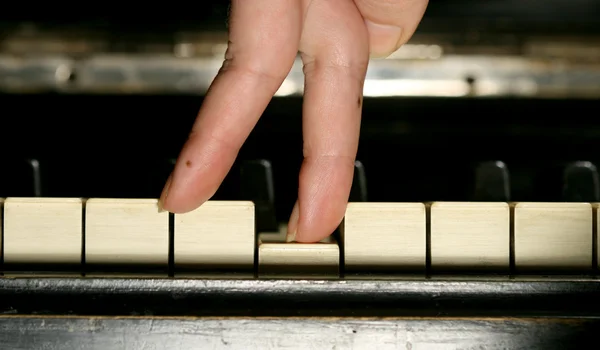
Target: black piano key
(158,176)
(257,185)
(492,182)
(107,176)
(358,192)
(581,182)
(20,178)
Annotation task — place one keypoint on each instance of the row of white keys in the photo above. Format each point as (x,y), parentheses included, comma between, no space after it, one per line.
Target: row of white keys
(376,237)
(469,236)
(127,232)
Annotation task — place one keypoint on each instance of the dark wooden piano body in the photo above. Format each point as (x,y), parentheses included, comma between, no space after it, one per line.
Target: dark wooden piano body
(101,143)
(136,313)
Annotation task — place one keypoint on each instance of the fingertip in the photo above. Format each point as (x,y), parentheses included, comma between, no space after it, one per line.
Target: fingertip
(179,208)
(199,171)
(293,223)
(314,229)
(323,197)
(184,196)
(164,194)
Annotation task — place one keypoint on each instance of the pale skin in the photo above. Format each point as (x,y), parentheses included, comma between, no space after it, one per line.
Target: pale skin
(335,39)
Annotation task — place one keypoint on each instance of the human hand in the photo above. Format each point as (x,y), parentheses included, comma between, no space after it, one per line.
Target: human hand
(335,39)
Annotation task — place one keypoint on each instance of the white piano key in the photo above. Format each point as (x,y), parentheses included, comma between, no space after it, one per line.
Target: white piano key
(470,236)
(128,232)
(1,221)
(596,221)
(217,237)
(279,259)
(43,231)
(553,236)
(384,237)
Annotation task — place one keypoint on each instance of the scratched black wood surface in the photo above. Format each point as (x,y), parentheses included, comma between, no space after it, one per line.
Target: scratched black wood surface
(373,297)
(299,333)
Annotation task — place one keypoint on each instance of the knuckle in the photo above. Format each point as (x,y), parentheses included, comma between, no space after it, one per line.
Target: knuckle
(256,70)
(265,67)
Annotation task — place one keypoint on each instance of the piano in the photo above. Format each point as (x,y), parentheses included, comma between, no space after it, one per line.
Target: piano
(473,220)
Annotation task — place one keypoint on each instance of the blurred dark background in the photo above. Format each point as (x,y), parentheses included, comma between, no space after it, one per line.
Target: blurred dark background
(102,98)
(547,15)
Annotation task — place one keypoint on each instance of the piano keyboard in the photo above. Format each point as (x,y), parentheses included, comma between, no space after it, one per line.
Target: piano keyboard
(95,237)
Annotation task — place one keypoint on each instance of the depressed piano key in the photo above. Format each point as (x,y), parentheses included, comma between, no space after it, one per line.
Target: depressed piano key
(358,192)
(279,235)
(126,236)
(470,236)
(278,259)
(553,237)
(581,183)
(20,178)
(43,235)
(492,182)
(384,237)
(214,239)
(257,186)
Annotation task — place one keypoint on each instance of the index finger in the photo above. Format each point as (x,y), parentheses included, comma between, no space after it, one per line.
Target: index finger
(263,43)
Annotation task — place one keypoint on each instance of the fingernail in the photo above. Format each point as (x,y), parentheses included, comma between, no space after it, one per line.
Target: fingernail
(164,194)
(293,224)
(385,39)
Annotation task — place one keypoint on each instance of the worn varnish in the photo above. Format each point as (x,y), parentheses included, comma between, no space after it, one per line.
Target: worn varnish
(59,333)
(373,297)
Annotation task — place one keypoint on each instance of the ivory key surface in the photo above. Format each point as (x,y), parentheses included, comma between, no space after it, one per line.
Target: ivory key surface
(553,236)
(43,231)
(126,232)
(596,213)
(1,226)
(470,236)
(218,236)
(384,237)
(277,258)
(278,236)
